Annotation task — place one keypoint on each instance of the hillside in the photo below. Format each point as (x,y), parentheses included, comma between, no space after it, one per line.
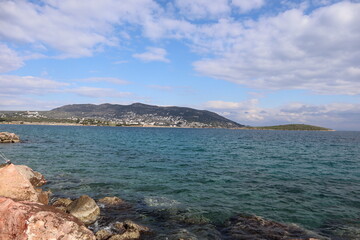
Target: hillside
(293,127)
(141,114)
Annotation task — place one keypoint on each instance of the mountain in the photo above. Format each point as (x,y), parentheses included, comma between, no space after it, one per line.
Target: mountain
(142,114)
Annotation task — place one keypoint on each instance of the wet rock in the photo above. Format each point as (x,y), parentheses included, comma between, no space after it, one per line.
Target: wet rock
(85,209)
(128,225)
(62,203)
(103,234)
(111,201)
(254,227)
(6,137)
(28,220)
(17,182)
(128,230)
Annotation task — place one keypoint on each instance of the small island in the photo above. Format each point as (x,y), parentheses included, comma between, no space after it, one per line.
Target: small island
(292,127)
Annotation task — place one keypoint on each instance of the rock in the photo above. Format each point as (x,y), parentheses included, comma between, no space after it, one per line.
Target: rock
(111,201)
(35,178)
(254,227)
(28,220)
(128,230)
(62,203)
(16,183)
(103,234)
(85,209)
(6,137)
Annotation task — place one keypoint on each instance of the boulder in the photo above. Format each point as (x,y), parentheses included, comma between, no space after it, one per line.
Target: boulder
(19,182)
(111,201)
(6,137)
(28,220)
(85,209)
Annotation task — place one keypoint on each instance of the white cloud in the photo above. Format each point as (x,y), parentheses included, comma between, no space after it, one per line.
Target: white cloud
(9,60)
(343,116)
(316,50)
(104,79)
(22,85)
(200,9)
(162,88)
(17,92)
(319,52)
(74,28)
(152,54)
(231,105)
(25,103)
(94,92)
(246,5)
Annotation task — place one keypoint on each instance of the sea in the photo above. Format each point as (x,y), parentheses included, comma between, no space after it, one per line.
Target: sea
(307,178)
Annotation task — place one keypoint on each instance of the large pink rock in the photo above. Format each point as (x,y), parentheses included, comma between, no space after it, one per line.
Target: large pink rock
(20,182)
(33,221)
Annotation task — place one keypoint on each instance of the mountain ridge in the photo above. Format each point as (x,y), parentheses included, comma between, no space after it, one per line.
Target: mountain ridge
(144,114)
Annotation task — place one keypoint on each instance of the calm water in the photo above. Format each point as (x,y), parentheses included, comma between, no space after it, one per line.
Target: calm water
(308,178)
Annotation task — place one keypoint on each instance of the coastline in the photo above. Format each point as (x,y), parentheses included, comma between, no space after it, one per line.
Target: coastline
(41,216)
(149,126)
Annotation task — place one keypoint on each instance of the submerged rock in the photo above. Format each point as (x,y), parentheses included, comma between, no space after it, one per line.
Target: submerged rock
(182,234)
(20,182)
(111,201)
(85,209)
(254,227)
(6,137)
(28,220)
(128,230)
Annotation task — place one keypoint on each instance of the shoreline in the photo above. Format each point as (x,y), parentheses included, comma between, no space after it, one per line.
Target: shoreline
(112,218)
(148,126)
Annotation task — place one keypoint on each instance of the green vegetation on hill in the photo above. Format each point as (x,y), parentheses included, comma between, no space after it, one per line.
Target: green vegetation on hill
(136,114)
(293,127)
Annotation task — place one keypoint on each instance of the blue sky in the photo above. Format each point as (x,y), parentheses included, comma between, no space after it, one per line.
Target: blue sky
(257,62)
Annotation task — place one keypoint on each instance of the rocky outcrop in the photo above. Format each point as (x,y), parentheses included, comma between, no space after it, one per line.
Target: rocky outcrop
(254,227)
(85,209)
(6,137)
(21,182)
(23,220)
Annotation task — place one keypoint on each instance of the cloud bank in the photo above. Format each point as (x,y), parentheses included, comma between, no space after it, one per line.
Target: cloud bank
(340,116)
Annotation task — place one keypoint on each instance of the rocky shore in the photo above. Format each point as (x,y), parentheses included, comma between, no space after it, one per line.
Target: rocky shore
(27,212)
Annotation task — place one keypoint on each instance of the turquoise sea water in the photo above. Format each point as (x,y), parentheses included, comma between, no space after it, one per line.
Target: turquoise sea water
(308,178)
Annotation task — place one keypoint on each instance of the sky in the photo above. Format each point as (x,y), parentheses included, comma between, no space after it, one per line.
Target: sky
(257,62)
